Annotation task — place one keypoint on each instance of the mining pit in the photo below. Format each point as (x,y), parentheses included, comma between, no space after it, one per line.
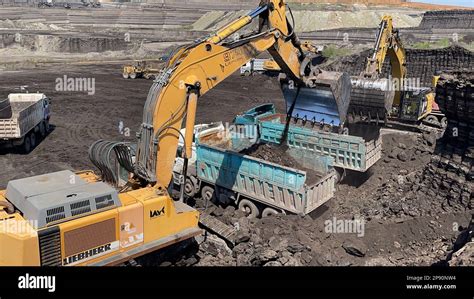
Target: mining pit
(416,201)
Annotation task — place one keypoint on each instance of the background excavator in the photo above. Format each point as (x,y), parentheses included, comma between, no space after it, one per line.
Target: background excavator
(80,218)
(397,97)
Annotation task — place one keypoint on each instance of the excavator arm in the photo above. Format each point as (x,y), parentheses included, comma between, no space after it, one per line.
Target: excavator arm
(373,96)
(192,70)
(388,43)
(195,69)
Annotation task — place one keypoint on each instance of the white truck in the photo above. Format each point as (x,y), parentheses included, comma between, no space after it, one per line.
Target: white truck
(191,184)
(27,121)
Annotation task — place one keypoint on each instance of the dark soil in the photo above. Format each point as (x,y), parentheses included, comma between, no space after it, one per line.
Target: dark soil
(278,154)
(400,229)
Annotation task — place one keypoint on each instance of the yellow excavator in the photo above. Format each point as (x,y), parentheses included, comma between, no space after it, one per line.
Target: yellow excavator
(397,97)
(66,218)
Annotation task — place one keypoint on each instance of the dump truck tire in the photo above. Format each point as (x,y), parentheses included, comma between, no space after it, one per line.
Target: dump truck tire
(249,208)
(47,126)
(133,75)
(444,122)
(33,139)
(190,188)
(267,212)
(207,193)
(432,119)
(26,146)
(125,75)
(42,129)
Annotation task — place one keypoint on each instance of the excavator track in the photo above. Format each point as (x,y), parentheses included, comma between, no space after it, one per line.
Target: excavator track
(217,227)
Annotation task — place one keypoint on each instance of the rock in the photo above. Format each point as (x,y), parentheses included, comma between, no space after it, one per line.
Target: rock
(191,261)
(393,154)
(243,260)
(402,156)
(355,248)
(400,179)
(295,247)
(403,172)
(269,254)
(262,256)
(293,262)
(429,138)
(273,264)
(218,212)
(397,245)
(402,145)
(242,237)
(166,264)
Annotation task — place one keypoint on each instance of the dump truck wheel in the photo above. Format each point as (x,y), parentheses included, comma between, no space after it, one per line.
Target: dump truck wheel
(247,73)
(26,147)
(267,212)
(444,122)
(249,208)
(432,120)
(133,75)
(125,75)
(46,126)
(207,194)
(42,129)
(33,140)
(190,188)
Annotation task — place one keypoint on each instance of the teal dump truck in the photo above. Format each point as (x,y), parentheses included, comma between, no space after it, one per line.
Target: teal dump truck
(352,152)
(358,150)
(259,187)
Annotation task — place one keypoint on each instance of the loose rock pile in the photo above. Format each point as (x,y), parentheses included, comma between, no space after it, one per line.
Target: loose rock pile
(421,63)
(448,19)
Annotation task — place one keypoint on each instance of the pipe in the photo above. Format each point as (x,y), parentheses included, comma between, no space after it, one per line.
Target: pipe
(236,25)
(189,136)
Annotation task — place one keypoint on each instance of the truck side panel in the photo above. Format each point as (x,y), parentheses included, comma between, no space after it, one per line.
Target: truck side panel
(269,183)
(28,111)
(350,152)
(321,192)
(30,117)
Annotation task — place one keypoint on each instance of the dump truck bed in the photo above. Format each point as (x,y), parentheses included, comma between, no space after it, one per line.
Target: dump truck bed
(27,112)
(272,184)
(349,152)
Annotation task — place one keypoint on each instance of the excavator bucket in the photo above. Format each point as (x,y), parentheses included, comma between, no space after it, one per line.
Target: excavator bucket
(371,98)
(324,99)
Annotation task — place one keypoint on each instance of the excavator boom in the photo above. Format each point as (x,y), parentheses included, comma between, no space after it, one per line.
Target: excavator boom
(195,69)
(372,96)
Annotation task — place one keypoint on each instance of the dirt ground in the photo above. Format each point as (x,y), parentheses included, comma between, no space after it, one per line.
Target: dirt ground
(79,119)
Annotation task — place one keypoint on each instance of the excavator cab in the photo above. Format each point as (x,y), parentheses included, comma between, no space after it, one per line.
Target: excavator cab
(415,104)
